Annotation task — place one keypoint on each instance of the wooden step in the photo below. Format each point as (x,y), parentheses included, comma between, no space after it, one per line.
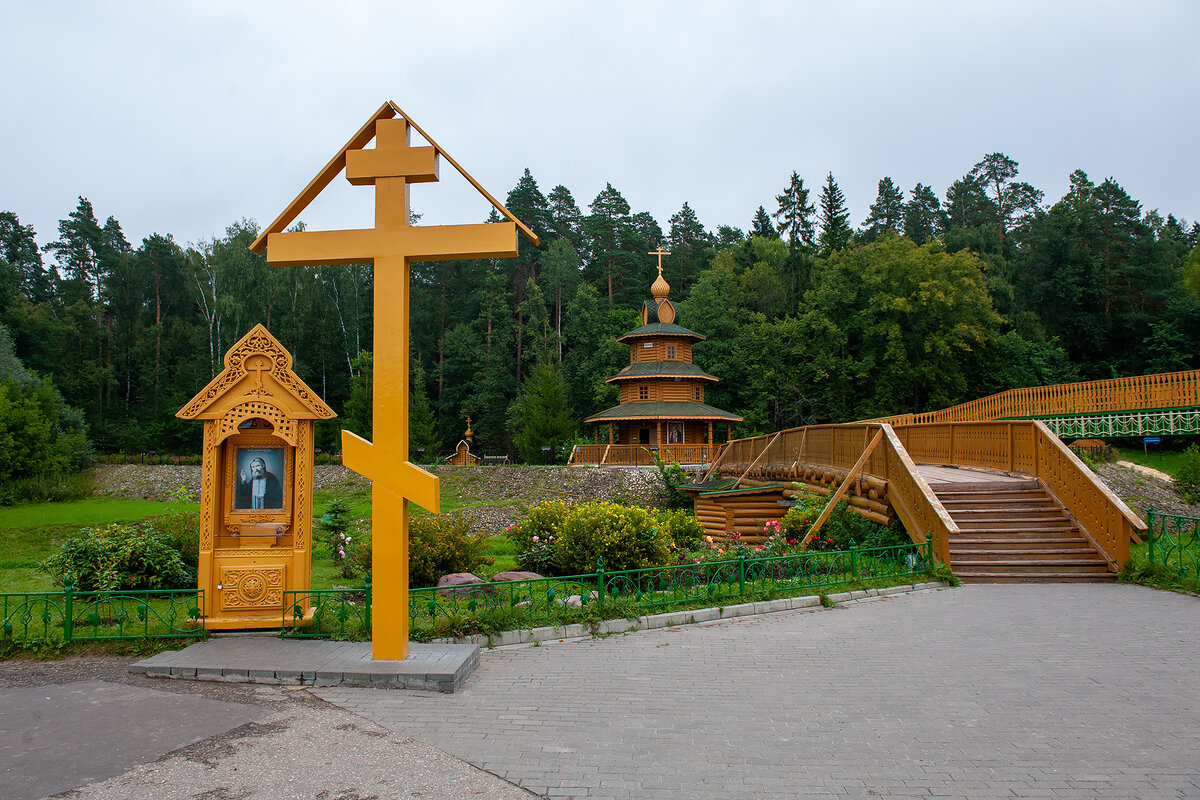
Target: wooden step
(988,506)
(1017,542)
(1004,576)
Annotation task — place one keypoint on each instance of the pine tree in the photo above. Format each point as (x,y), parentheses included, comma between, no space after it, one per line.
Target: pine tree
(19,250)
(689,243)
(565,217)
(835,219)
(886,213)
(923,215)
(761,225)
(422,427)
(795,214)
(1014,201)
(541,416)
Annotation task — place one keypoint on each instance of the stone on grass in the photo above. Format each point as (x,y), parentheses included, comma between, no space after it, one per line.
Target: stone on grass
(459,584)
(516,575)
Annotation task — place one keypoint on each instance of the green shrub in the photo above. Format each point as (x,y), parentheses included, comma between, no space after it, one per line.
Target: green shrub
(625,537)
(118,557)
(336,527)
(673,476)
(685,530)
(1187,475)
(439,544)
(842,529)
(181,526)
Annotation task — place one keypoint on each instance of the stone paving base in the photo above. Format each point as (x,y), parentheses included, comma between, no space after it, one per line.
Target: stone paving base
(674,618)
(439,666)
(270,659)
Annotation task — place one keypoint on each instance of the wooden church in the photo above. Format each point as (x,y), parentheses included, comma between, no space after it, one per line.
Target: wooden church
(662,408)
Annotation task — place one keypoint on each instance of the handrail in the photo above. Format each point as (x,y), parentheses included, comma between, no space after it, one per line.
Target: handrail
(756,460)
(913,499)
(1136,393)
(1013,446)
(1029,447)
(841,490)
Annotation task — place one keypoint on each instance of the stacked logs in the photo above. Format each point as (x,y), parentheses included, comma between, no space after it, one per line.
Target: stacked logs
(745,514)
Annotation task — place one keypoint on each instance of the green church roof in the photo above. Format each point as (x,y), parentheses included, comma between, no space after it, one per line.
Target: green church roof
(661,329)
(644,369)
(663,409)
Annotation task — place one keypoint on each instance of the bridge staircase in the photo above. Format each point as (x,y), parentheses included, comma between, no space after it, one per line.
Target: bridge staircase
(1016,532)
(1004,500)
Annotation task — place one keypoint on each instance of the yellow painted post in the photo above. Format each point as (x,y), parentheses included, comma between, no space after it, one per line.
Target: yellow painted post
(390,167)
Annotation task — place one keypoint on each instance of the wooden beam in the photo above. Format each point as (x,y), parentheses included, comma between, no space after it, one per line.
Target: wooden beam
(833,500)
(757,458)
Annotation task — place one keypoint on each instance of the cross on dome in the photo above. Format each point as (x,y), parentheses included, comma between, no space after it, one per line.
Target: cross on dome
(660,288)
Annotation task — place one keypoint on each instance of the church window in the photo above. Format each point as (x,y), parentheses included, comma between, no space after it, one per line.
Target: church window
(643,393)
(670,352)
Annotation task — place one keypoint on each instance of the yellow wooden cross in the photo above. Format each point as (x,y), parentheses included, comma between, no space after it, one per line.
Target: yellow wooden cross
(391,245)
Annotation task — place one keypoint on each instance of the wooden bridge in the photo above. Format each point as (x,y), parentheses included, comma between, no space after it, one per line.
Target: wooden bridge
(991,480)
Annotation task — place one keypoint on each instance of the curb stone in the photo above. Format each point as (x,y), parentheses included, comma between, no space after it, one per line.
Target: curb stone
(671,619)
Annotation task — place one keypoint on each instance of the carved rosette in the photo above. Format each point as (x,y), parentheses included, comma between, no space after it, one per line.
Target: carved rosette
(252,587)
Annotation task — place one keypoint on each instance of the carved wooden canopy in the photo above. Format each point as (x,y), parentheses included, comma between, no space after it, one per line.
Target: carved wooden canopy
(257,381)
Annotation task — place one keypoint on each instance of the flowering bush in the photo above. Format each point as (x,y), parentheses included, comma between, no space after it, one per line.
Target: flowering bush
(556,539)
(117,557)
(542,522)
(439,544)
(626,537)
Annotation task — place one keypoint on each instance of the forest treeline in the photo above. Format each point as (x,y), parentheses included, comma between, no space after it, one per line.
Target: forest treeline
(933,299)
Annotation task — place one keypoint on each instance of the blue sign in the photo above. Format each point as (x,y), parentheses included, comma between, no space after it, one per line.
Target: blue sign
(1151,440)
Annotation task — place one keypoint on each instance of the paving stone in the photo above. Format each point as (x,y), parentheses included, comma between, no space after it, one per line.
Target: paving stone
(977,692)
(269,659)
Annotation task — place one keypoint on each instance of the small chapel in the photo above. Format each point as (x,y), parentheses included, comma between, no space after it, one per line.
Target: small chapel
(662,408)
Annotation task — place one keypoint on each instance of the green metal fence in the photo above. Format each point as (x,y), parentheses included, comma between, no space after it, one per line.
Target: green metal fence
(327,613)
(1173,541)
(72,616)
(509,605)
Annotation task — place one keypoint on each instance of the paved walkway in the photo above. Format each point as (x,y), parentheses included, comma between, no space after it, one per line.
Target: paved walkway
(985,691)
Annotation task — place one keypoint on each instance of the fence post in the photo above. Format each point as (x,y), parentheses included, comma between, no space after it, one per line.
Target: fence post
(742,572)
(68,610)
(1150,534)
(928,551)
(367,600)
(854,561)
(600,580)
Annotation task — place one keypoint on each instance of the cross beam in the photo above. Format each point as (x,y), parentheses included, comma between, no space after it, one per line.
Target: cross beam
(390,246)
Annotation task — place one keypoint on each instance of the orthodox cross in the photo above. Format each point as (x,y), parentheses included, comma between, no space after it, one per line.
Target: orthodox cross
(660,253)
(390,246)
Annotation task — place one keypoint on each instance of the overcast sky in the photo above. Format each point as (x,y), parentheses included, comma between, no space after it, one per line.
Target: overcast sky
(182,117)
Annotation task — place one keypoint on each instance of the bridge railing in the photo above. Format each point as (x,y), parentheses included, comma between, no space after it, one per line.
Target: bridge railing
(1029,447)
(840,446)
(1019,446)
(639,455)
(1136,393)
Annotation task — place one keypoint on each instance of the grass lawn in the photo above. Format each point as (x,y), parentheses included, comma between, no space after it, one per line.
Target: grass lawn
(30,533)
(1156,457)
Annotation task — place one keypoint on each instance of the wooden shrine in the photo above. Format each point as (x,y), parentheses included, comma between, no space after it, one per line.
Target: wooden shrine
(662,404)
(463,456)
(256,491)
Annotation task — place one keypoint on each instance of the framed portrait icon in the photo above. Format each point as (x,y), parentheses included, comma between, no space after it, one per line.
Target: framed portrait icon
(259,471)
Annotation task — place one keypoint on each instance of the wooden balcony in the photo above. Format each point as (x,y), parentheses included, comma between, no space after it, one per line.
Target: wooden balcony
(639,455)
